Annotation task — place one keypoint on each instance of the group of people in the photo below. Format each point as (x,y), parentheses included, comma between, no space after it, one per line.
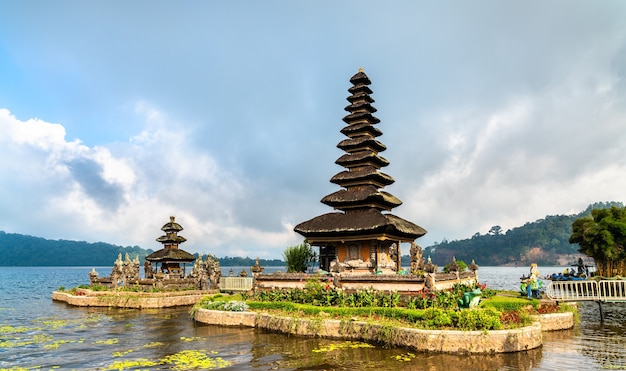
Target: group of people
(581,273)
(532,284)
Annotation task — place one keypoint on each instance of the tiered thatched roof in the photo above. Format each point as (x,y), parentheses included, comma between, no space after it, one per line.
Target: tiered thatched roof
(361,201)
(169,254)
(170,251)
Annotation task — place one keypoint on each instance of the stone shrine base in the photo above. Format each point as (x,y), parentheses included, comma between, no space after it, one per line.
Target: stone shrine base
(441,341)
(129,299)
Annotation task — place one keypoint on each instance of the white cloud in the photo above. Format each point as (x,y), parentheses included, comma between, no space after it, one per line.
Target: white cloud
(125,197)
(553,152)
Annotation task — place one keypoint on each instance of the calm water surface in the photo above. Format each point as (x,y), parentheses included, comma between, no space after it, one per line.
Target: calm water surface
(37,333)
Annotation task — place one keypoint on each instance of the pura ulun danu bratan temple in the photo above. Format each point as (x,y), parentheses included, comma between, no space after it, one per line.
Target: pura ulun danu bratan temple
(361,235)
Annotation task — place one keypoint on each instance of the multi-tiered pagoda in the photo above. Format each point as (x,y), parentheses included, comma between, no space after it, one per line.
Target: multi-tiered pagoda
(362,236)
(170,256)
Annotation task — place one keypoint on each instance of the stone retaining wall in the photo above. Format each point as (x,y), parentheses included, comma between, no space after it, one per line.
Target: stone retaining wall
(137,300)
(443,341)
(222,318)
(555,321)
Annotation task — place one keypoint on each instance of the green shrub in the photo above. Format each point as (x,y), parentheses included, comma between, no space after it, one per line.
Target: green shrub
(431,318)
(299,257)
(272,305)
(436,317)
(478,319)
(506,303)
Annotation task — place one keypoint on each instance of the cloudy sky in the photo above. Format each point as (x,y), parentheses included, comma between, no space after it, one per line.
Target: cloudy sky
(115,115)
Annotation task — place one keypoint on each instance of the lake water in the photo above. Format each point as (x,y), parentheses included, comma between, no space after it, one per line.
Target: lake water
(37,333)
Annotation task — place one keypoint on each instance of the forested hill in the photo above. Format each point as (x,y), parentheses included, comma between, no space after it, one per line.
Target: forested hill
(23,250)
(28,251)
(545,242)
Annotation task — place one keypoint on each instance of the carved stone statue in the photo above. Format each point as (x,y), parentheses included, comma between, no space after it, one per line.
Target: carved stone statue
(393,254)
(199,275)
(257,268)
(214,272)
(429,267)
(129,269)
(417,260)
(454,266)
(473,267)
(336,267)
(117,271)
(147,270)
(93,276)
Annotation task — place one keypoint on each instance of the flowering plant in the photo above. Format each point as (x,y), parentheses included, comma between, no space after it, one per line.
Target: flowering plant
(230,306)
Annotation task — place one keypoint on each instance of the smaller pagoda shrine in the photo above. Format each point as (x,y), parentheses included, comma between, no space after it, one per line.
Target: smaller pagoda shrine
(170,257)
(165,268)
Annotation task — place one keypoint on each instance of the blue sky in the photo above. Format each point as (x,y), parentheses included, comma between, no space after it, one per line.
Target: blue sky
(115,115)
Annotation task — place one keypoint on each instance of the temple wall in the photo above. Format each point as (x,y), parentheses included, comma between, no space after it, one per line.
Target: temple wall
(399,283)
(148,284)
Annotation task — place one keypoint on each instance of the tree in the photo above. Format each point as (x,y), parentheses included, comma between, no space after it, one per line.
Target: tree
(496,230)
(299,257)
(602,236)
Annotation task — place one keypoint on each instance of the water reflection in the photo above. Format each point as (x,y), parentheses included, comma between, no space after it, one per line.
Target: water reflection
(272,351)
(90,338)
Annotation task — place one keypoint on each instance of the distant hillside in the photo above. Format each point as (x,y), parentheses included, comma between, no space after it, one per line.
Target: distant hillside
(23,250)
(28,251)
(545,242)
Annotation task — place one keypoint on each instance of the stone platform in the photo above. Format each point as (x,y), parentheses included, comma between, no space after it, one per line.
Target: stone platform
(441,341)
(127,299)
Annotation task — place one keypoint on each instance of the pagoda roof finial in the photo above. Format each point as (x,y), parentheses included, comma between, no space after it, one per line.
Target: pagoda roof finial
(361,69)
